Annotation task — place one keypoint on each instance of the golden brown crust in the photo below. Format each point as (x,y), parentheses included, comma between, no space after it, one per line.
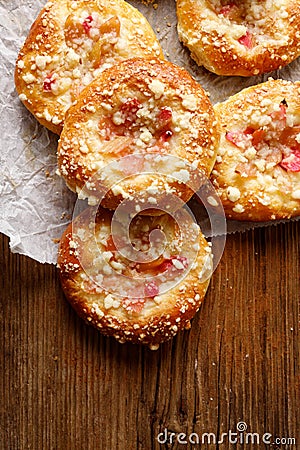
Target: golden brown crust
(240,38)
(146,320)
(257,173)
(139,107)
(69,44)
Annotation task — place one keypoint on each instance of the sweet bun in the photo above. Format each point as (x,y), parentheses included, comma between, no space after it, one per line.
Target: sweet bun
(240,37)
(140,302)
(69,44)
(257,173)
(134,110)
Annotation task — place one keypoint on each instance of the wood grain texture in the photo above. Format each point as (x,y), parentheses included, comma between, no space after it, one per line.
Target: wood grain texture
(64,386)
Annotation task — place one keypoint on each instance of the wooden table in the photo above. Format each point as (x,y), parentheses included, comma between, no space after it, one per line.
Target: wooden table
(64,386)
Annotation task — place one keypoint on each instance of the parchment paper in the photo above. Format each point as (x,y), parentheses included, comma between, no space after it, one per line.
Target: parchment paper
(35,205)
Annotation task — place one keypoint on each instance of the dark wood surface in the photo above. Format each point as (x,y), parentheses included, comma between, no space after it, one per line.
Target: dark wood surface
(64,386)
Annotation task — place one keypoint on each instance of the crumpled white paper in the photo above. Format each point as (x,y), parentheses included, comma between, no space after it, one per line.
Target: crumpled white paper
(35,205)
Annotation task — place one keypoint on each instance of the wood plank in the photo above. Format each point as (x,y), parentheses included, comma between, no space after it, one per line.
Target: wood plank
(64,386)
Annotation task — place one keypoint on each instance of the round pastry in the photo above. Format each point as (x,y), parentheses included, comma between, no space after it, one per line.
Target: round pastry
(140,110)
(257,173)
(136,298)
(69,44)
(240,38)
